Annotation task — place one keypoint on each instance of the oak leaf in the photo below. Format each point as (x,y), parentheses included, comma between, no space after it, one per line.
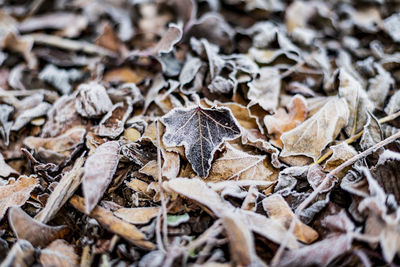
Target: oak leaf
(201,131)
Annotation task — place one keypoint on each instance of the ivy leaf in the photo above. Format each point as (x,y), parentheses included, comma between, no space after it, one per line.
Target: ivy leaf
(201,131)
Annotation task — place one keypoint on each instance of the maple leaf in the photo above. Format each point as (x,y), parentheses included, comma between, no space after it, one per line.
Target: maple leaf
(201,131)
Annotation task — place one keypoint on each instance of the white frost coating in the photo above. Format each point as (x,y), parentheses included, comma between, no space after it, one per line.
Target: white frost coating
(29,114)
(388,155)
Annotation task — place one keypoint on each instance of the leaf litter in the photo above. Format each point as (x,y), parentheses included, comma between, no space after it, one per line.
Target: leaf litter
(199,133)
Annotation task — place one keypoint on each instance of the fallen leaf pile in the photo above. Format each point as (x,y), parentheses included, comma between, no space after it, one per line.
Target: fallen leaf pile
(199,133)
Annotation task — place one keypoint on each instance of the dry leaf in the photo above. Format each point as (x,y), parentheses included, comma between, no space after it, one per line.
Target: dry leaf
(277,208)
(22,254)
(57,149)
(312,136)
(113,224)
(16,192)
(282,121)
(59,253)
(38,234)
(265,90)
(341,153)
(112,124)
(5,169)
(92,100)
(239,165)
(137,215)
(201,131)
(98,172)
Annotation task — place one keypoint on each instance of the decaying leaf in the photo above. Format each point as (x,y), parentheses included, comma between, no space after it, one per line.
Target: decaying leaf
(198,191)
(265,90)
(21,254)
(98,172)
(310,137)
(59,253)
(112,124)
(239,165)
(277,208)
(5,169)
(137,215)
(201,131)
(92,100)
(36,233)
(282,121)
(16,192)
(27,115)
(113,224)
(57,149)
(341,153)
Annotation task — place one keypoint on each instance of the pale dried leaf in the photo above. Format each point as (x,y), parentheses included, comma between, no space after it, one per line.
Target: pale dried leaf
(92,100)
(22,254)
(277,208)
(239,165)
(312,136)
(265,89)
(137,215)
(282,121)
(16,192)
(27,115)
(59,253)
(5,169)
(98,172)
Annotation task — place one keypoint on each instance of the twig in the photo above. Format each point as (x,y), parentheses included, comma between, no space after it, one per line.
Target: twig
(162,196)
(322,185)
(358,135)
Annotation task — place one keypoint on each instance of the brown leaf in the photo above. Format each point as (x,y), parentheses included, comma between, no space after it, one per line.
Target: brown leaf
(310,137)
(241,241)
(278,209)
(282,121)
(112,124)
(113,224)
(137,215)
(57,149)
(59,253)
(98,172)
(16,192)
(38,234)
(22,254)
(198,191)
(201,131)
(239,165)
